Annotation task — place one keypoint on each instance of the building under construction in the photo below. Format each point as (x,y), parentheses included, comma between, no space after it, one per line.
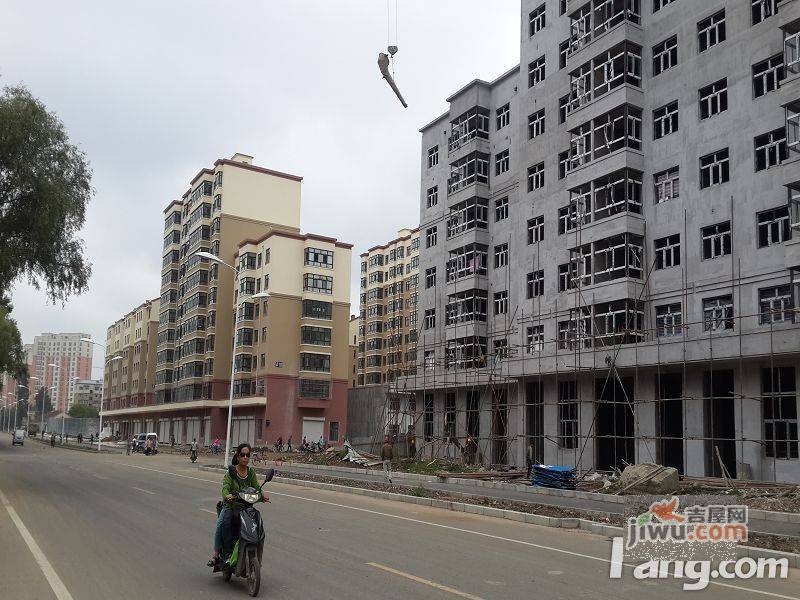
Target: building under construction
(610,259)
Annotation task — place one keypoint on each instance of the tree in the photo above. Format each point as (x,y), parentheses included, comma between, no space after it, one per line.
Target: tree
(82,411)
(42,397)
(45,185)
(12,353)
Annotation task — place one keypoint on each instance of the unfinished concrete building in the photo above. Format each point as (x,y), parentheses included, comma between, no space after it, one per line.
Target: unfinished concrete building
(616,269)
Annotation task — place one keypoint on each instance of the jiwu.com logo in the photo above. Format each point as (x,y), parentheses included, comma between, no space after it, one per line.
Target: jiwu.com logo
(664,522)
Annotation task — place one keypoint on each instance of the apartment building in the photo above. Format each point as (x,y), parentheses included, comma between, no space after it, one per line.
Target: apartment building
(129,375)
(352,337)
(227,207)
(88,391)
(614,276)
(58,360)
(387,331)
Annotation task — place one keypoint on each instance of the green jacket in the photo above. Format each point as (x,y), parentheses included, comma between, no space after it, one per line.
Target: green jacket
(232,483)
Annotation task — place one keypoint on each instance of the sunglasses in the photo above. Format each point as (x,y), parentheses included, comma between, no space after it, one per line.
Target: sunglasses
(245,455)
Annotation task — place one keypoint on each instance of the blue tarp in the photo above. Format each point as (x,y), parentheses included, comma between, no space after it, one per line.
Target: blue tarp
(554,477)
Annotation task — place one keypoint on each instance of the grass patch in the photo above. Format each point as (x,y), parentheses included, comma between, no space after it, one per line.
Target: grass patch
(419,492)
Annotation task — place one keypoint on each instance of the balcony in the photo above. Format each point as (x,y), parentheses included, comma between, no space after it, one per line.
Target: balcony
(473,124)
(597,18)
(470,170)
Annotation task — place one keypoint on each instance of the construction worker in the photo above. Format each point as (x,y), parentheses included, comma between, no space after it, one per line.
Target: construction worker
(387,454)
(530,456)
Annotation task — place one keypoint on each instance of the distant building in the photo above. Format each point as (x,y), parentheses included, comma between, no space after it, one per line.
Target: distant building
(88,391)
(58,360)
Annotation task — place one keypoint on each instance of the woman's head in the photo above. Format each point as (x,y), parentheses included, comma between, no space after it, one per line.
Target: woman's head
(242,454)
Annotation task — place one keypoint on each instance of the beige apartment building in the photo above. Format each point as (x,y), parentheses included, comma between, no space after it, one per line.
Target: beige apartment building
(229,210)
(352,338)
(128,381)
(387,333)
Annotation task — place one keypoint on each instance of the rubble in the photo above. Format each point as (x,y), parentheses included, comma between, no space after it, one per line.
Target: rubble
(648,478)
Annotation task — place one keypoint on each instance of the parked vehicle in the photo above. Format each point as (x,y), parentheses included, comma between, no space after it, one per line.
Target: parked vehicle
(244,558)
(18,437)
(141,442)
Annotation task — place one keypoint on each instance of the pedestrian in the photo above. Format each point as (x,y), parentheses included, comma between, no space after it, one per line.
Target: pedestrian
(321,443)
(530,457)
(133,444)
(148,447)
(412,447)
(215,445)
(279,444)
(52,440)
(80,438)
(91,438)
(194,450)
(387,454)
(289,444)
(128,448)
(67,439)
(305,443)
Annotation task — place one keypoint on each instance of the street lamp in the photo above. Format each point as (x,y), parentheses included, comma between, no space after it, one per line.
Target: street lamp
(112,359)
(52,366)
(258,296)
(28,410)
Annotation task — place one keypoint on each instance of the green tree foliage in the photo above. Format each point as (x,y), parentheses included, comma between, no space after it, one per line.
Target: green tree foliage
(42,396)
(45,185)
(12,354)
(82,411)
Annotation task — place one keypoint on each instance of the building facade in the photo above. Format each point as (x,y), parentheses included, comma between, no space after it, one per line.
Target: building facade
(72,359)
(229,210)
(387,332)
(614,277)
(88,391)
(129,376)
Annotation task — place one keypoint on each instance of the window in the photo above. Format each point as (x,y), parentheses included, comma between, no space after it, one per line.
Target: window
(665,55)
(314,388)
(431,235)
(767,75)
(773,226)
(716,240)
(501,208)
(669,320)
(500,256)
(467,171)
(775,305)
(536,229)
(433,196)
(714,98)
(501,162)
(316,309)
(430,277)
(659,4)
(315,336)
(536,283)
(668,251)
(770,149)
(429,321)
(321,284)
(714,168)
(763,9)
(536,71)
(711,31)
(501,303)
(536,124)
(319,258)
(567,414)
(503,116)
(536,177)
(667,185)
(466,307)
(665,120)
(718,313)
(433,156)
(333,431)
(315,362)
(779,410)
(534,338)
(536,20)
(500,349)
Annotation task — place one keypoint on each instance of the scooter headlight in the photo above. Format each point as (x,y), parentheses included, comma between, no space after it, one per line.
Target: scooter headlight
(249,498)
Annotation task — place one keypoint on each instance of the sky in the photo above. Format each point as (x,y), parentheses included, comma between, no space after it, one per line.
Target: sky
(153,91)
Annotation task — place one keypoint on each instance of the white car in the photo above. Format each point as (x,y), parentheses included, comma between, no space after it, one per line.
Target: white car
(18,437)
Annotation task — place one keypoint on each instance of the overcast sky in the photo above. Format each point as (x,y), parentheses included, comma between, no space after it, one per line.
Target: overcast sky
(152,91)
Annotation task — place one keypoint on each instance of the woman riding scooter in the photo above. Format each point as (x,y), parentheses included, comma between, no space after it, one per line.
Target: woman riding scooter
(239,475)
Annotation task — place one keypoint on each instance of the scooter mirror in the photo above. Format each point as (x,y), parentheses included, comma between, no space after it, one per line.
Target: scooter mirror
(270,475)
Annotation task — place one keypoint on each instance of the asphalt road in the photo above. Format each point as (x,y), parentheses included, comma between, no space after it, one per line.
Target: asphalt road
(75,525)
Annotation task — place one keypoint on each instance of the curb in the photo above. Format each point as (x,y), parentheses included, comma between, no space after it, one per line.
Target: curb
(765,515)
(75,448)
(603,529)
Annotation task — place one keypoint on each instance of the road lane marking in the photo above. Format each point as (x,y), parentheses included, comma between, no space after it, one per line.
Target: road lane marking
(98,476)
(58,587)
(213,512)
(427,582)
(145,491)
(459,529)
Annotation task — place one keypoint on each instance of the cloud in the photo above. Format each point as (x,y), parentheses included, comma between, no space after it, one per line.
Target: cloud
(153,92)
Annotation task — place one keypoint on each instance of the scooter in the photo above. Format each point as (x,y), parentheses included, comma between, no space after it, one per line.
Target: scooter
(244,559)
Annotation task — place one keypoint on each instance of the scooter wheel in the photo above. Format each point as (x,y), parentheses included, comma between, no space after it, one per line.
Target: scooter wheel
(253,576)
(227,573)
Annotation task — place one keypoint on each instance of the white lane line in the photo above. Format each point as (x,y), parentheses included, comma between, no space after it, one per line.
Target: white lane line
(213,512)
(98,476)
(427,582)
(58,587)
(470,531)
(145,491)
